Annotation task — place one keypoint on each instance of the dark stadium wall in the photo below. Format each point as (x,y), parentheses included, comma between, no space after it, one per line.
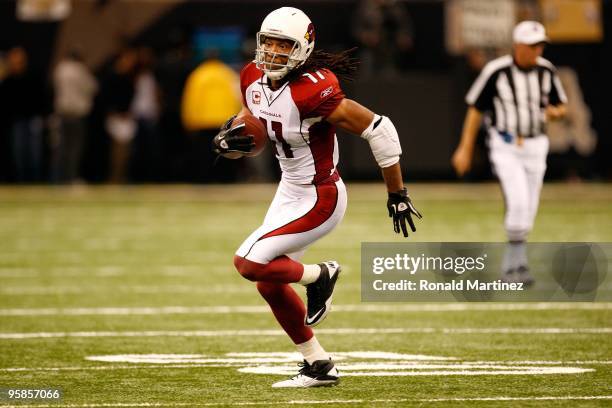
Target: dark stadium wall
(421,107)
(185,17)
(120,21)
(38,38)
(593,65)
(332,22)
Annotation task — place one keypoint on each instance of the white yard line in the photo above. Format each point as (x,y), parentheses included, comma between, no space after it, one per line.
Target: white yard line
(344,331)
(362,308)
(544,362)
(317,402)
(139,289)
(18,272)
(117,311)
(446,373)
(196,365)
(109,367)
(108,271)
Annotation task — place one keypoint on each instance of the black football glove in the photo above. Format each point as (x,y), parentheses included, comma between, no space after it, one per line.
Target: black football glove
(230,140)
(401,209)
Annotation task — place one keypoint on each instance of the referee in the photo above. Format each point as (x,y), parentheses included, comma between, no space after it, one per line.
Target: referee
(516,94)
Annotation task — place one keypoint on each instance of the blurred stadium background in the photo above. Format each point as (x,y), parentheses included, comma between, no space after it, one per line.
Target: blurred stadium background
(417,63)
(89,269)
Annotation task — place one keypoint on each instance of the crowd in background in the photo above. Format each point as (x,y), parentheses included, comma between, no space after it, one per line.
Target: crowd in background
(149,115)
(47,126)
(24,105)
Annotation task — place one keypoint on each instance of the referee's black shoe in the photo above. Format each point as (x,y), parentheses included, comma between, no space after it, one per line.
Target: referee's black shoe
(518,275)
(319,293)
(524,276)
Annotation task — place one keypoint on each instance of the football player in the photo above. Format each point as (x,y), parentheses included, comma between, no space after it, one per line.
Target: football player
(295,93)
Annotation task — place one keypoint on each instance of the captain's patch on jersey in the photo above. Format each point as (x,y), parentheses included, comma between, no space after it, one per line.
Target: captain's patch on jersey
(256,95)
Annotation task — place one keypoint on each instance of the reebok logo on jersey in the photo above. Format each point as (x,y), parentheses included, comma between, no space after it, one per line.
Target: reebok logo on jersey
(326,91)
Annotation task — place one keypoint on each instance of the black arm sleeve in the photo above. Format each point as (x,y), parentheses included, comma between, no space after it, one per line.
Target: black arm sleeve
(483,91)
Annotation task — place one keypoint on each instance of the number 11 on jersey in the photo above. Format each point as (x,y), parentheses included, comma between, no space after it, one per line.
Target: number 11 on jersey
(277,128)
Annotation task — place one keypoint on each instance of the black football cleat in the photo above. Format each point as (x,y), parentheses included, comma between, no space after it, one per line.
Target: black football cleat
(319,293)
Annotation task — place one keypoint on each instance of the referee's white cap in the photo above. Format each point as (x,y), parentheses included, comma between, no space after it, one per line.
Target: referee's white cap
(529,32)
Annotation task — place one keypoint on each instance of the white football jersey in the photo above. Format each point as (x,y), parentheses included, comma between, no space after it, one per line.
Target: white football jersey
(305,144)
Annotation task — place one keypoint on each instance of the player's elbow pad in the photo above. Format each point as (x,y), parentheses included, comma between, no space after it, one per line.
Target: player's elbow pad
(384,141)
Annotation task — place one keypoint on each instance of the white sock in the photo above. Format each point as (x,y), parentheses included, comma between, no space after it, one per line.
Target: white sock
(515,255)
(312,350)
(311,274)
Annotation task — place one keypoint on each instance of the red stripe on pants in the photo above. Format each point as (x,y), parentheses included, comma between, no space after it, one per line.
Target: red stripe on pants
(327,198)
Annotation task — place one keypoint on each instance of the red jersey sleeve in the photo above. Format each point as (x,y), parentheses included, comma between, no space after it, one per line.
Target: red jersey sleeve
(317,93)
(249,74)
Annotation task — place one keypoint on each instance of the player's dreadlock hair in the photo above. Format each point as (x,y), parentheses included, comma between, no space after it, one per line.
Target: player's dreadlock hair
(341,64)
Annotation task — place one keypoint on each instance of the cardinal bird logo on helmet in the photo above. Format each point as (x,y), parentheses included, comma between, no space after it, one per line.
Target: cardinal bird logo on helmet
(310,33)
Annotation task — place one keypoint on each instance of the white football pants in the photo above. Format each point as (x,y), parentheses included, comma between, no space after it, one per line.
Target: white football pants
(298,216)
(520,170)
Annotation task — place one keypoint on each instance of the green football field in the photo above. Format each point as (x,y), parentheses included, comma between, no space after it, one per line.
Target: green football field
(128,297)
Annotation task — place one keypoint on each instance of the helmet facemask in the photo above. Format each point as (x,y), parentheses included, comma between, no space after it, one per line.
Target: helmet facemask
(274,70)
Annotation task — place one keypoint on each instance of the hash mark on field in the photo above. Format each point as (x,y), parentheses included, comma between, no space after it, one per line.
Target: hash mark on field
(317,402)
(363,308)
(344,331)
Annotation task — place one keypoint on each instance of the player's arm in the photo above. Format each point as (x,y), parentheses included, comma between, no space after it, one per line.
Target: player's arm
(462,158)
(356,119)
(384,142)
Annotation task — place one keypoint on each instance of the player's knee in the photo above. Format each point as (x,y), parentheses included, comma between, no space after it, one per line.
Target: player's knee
(248,269)
(242,267)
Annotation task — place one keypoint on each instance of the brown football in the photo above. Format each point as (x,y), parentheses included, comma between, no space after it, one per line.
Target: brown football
(254,127)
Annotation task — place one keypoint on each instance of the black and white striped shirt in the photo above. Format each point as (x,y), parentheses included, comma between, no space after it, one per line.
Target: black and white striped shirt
(516,98)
